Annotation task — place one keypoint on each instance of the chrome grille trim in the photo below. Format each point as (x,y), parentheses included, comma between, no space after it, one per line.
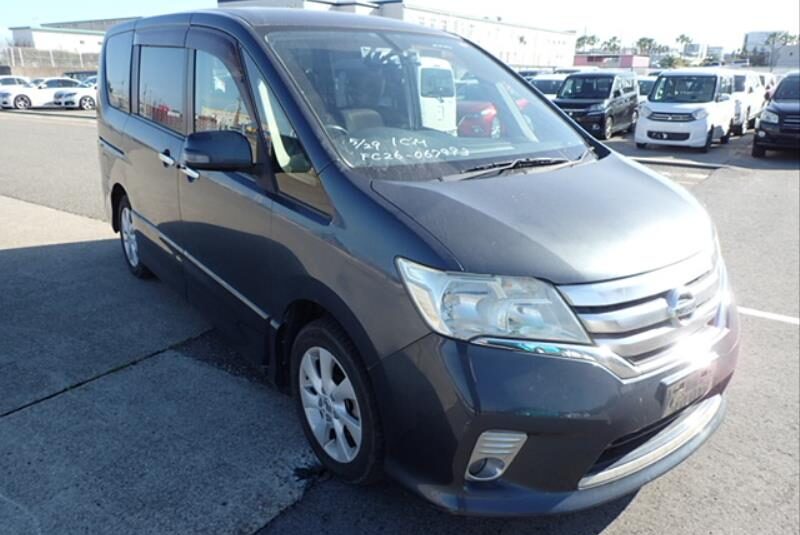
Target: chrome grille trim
(631,318)
(603,294)
(671,117)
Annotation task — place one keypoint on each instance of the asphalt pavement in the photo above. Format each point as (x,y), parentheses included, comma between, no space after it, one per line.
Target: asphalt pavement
(122,411)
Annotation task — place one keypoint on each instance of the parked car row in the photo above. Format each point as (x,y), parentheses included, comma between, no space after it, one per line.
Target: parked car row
(778,127)
(18,92)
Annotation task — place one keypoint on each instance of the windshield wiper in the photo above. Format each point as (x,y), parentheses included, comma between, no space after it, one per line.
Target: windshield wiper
(520,163)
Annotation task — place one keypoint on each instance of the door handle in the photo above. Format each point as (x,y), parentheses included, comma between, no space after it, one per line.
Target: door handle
(191,174)
(166,159)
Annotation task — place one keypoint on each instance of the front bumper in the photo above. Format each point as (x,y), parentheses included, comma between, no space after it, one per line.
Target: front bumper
(773,136)
(592,122)
(684,134)
(581,422)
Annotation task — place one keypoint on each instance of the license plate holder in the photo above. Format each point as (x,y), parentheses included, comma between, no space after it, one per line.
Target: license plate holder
(681,389)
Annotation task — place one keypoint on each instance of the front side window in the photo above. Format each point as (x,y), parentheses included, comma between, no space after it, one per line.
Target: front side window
(162,82)
(645,86)
(294,173)
(218,101)
(393,101)
(117,70)
(684,89)
(588,87)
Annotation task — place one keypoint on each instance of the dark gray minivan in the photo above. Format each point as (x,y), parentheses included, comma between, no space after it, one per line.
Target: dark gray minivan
(507,323)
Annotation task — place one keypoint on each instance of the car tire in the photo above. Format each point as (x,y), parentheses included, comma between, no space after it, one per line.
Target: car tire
(758,151)
(86,103)
(129,240)
(725,139)
(21,102)
(608,128)
(709,140)
(641,146)
(340,419)
(634,120)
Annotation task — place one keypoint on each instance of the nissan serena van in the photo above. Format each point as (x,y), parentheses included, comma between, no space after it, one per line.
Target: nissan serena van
(511,324)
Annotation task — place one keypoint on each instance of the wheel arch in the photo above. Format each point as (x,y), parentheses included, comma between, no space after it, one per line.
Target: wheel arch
(117,193)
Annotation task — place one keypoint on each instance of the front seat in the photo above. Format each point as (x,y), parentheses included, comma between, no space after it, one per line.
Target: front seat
(356,119)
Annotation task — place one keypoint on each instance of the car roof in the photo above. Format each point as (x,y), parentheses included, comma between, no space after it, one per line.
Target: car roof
(274,18)
(697,72)
(602,72)
(648,78)
(551,76)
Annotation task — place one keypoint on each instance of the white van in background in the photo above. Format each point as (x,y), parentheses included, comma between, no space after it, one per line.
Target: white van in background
(437,94)
(688,107)
(748,95)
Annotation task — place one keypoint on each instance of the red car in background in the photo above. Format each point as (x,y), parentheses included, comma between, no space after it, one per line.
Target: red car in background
(477,116)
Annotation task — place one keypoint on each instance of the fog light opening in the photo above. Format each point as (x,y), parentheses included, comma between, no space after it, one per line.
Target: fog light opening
(487,469)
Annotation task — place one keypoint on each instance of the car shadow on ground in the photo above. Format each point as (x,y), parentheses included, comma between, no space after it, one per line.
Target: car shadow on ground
(334,507)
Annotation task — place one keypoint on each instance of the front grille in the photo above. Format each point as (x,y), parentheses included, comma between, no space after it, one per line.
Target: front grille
(633,318)
(791,123)
(671,117)
(671,136)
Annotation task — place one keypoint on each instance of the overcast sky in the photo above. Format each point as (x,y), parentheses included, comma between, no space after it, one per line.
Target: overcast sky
(715,22)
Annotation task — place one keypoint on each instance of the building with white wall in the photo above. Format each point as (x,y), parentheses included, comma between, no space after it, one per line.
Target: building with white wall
(517,44)
(68,40)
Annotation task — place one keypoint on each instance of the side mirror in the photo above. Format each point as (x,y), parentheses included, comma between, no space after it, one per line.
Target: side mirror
(617,93)
(217,150)
(42,86)
(724,97)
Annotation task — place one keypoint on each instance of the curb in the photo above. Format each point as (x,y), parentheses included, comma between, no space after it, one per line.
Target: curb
(50,114)
(679,163)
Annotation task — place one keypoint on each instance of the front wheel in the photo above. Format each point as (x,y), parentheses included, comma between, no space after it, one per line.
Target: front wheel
(86,103)
(709,140)
(608,128)
(335,402)
(634,120)
(22,102)
(758,151)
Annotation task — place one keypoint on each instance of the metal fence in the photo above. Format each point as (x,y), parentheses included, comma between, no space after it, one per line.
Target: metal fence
(33,61)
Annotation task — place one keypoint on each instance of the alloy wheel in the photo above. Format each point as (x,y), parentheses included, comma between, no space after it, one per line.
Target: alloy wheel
(128,231)
(87,103)
(330,404)
(22,102)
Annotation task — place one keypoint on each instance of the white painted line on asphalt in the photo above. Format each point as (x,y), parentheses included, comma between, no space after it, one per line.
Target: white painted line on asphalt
(791,320)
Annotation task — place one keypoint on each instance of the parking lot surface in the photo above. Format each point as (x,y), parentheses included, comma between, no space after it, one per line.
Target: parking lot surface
(122,411)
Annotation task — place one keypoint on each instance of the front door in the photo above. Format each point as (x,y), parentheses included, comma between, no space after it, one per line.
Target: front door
(226,216)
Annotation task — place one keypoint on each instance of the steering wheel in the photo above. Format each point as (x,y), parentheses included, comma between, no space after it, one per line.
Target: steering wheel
(342,130)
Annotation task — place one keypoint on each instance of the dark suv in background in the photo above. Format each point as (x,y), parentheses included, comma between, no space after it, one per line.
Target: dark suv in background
(507,321)
(603,102)
(778,126)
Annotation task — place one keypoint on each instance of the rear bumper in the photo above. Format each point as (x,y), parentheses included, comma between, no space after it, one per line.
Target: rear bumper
(584,425)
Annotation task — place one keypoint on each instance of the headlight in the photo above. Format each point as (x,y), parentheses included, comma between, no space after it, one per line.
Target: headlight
(68,95)
(463,306)
(645,110)
(700,114)
(596,108)
(768,116)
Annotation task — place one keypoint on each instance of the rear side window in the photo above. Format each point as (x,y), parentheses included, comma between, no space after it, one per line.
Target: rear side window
(162,83)
(118,70)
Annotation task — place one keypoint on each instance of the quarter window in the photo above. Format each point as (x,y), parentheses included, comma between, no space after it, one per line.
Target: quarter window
(118,70)
(218,102)
(162,79)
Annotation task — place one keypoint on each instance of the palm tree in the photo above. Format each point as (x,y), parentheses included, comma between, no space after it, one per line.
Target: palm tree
(646,45)
(586,41)
(612,44)
(683,40)
(776,39)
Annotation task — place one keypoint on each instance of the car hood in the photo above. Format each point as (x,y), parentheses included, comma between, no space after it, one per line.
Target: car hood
(578,103)
(602,220)
(785,106)
(675,107)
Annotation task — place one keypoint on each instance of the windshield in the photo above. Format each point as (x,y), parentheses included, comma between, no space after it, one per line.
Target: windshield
(789,89)
(591,87)
(645,86)
(389,101)
(684,89)
(548,87)
(738,83)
